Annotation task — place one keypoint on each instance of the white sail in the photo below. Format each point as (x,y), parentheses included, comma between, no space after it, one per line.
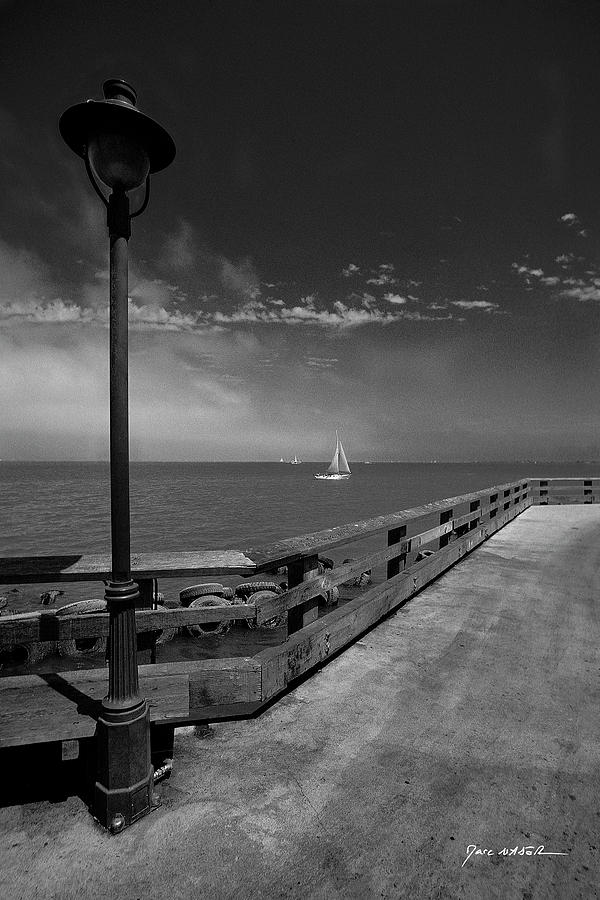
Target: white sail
(339,468)
(339,463)
(344,468)
(334,467)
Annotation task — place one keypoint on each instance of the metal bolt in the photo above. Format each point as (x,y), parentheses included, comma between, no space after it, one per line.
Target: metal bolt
(117,824)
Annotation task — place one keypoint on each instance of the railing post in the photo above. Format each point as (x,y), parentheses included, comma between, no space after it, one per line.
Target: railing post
(446,516)
(305,613)
(395,535)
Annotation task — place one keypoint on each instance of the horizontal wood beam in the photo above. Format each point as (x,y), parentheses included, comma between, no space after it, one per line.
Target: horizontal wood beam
(50,569)
(212,563)
(26,628)
(65,706)
(286,551)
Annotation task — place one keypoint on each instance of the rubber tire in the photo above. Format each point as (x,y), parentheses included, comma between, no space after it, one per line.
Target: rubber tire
(34,653)
(209,629)
(81,607)
(247,588)
(257,596)
(200,590)
(166,634)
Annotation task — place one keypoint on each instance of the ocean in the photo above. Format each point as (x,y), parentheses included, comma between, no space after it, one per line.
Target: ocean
(64,507)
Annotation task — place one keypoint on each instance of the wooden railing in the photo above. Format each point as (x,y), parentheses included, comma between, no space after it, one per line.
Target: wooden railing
(63,706)
(418,545)
(565,490)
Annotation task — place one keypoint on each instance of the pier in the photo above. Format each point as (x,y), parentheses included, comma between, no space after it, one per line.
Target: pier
(363,755)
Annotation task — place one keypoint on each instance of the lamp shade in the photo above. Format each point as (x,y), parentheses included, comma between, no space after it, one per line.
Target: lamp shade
(105,128)
(118,160)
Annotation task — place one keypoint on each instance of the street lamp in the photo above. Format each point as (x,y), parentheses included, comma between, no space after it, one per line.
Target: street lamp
(121,148)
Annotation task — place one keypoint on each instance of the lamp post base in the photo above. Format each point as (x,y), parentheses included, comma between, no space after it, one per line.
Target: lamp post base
(124,788)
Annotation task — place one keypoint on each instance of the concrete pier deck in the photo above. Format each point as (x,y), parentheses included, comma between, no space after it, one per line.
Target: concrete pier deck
(468,717)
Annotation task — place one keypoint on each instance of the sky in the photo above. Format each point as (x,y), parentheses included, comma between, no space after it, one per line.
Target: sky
(382,218)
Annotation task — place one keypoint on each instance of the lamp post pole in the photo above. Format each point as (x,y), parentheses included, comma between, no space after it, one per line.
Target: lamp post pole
(123,791)
(121,147)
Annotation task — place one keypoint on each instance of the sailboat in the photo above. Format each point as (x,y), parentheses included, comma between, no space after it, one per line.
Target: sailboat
(339,467)
(295,461)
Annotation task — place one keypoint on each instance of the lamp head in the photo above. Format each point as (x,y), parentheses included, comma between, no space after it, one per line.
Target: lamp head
(122,144)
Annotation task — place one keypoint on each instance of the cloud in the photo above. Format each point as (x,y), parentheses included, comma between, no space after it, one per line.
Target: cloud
(382,279)
(524,270)
(240,277)
(52,312)
(321,362)
(351,269)
(383,275)
(573,288)
(484,305)
(394,298)
(583,292)
(144,316)
(570,220)
(306,312)
(24,275)
(179,251)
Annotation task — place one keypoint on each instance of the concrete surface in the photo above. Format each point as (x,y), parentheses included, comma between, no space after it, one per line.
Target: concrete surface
(468,717)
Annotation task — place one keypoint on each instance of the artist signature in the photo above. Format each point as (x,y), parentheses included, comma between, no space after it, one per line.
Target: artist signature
(519,850)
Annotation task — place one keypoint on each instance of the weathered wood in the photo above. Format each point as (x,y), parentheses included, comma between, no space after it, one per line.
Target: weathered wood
(50,569)
(396,563)
(277,606)
(314,644)
(286,551)
(26,628)
(58,707)
(302,614)
(222,711)
(75,567)
(238,682)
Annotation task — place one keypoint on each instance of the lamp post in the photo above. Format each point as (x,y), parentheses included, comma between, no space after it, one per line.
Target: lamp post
(121,148)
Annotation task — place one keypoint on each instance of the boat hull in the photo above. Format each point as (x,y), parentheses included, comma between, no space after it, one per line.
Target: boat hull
(333,477)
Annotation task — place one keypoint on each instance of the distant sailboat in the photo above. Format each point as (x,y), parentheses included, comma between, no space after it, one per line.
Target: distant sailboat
(339,467)
(282,459)
(295,461)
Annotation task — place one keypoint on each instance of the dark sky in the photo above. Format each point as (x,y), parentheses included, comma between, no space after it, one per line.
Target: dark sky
(382,217)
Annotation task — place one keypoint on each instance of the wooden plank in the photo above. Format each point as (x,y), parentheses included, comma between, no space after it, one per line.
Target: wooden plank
(77,567)
(239,682)
(26,628)
(51,569)
(277,606)
(397,562)
(314,644)
(58,707)
(286,551)
(222,711)
(302,614)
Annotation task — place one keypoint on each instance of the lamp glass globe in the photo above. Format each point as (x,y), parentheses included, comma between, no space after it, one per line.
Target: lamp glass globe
(118,161)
